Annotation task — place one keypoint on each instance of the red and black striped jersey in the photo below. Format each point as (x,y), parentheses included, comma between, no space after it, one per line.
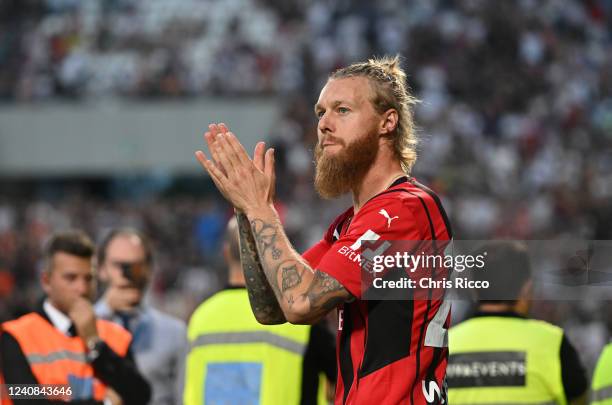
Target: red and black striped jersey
(384,354)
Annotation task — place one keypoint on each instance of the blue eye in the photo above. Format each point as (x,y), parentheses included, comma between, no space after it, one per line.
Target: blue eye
(343,110)
(320,114)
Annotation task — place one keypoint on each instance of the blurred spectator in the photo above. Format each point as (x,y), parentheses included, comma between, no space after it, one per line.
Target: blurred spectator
(100,367)
(159,341)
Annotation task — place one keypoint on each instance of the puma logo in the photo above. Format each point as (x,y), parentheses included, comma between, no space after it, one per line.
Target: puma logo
(385,214)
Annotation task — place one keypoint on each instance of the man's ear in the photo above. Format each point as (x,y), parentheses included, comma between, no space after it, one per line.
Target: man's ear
(389,122)
(102,272)
(523,304)
(526,292)
(45,280)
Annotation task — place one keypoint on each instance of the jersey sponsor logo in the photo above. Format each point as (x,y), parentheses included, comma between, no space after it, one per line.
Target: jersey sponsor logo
(371,248)
(385,214)
(351,251)
(486,369)
(367,235)
(432,392)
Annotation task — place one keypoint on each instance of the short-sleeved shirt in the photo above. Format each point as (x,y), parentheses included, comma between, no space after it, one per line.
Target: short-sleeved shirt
(382,353)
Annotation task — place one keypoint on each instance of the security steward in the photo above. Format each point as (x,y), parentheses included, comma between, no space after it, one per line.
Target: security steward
(235,360)
(500,356)
(602,378)
(63,343)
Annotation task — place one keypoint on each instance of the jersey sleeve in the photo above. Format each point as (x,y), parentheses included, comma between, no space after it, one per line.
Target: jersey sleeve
(342,260)
(316,252)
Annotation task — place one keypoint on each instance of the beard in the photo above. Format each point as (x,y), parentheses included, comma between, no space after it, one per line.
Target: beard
(340,173)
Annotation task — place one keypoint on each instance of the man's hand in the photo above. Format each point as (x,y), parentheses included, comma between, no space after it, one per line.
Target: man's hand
(82,315)
(122,294)
(303,294)
(113,397)
(122,298)
(245,183)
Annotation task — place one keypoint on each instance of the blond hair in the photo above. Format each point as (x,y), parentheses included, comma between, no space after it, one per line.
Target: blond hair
(390,91)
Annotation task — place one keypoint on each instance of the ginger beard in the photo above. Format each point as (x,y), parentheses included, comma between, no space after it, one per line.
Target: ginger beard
(338,174)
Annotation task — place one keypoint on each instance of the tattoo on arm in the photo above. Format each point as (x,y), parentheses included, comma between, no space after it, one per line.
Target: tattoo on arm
(261,296)
(266,235)
(325,291)
(290,275)
(286,274)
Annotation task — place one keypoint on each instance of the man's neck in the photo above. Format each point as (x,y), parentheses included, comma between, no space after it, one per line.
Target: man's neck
(502,307)
(376,180)
(236,278)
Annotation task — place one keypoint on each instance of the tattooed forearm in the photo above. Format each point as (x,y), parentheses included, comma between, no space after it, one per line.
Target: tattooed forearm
(325,291)
(304,294)
(261,297)
(265,236)
(290,275)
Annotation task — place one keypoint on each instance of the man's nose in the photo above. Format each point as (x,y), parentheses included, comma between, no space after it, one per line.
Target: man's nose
(325,124)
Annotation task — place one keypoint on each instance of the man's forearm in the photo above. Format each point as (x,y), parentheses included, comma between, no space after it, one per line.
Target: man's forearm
(303,293)
(261,296)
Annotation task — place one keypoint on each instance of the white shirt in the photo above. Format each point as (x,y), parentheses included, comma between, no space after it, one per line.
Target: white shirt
(60,320)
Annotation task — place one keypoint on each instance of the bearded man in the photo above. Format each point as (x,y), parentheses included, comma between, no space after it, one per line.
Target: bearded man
(389,351)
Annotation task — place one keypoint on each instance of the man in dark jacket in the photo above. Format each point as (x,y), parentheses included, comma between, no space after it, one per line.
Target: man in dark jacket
(63,343)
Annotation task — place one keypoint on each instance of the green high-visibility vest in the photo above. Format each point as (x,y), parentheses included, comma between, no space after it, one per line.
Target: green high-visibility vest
(233,359)
(602,378)
(505,360)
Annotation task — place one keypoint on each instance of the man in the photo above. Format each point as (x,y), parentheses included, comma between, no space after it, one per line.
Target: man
(234,359)
(602,378)
(499,356)
(63,342)
(366,146)
(125,258)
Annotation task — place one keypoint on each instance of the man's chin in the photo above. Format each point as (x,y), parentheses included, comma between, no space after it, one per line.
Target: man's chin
(331,188)
(340,168)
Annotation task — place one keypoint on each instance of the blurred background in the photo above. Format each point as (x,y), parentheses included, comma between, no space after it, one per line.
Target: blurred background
(102,103)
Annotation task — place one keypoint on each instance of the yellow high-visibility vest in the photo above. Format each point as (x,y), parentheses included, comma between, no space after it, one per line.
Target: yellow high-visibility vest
(601,393)
(502,360)
(233,359)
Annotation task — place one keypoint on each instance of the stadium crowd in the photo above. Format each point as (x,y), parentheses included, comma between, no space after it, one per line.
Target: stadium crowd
(515,118)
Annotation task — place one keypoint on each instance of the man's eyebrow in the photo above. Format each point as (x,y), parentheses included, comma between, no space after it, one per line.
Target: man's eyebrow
(318,107)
